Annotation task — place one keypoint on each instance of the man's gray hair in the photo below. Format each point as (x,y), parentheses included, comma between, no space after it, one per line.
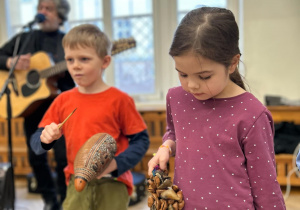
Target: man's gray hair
(62,7)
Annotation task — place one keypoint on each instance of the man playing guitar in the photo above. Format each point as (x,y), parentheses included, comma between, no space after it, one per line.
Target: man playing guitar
(48,38)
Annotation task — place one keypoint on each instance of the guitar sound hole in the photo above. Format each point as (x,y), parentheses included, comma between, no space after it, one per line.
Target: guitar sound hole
(33,79)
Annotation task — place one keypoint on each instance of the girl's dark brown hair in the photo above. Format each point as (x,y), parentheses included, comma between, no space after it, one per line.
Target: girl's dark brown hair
(212,33)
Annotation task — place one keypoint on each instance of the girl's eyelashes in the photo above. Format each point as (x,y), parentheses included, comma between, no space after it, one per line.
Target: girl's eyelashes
(182,75)
(205,78)
(202,78)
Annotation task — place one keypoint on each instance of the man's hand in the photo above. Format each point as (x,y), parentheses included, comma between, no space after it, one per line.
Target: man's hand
(23,62)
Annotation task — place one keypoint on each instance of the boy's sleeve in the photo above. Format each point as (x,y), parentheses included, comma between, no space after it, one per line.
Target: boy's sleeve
(134,128)
(51,115)
(138,146)
(130,120)
(36,145)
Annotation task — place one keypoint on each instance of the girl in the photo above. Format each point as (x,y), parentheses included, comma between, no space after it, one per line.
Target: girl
(220,134)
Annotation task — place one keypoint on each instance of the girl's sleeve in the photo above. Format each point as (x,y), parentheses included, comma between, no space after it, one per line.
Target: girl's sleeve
(260,159)
(170,131)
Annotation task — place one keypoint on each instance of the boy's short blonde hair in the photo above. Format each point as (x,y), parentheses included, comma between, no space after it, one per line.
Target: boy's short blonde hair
(88,35)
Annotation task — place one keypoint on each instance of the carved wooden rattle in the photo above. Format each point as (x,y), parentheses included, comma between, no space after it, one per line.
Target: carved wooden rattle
(93,158)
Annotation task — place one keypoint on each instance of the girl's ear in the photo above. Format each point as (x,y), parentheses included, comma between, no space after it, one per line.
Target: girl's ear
(234,63)
(106,61)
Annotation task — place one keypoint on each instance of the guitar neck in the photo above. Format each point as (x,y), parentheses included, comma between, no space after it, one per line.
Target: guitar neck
(118,47)
(54,70)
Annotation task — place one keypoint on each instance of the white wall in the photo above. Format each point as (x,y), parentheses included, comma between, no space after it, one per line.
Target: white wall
(272,47)
(3,34)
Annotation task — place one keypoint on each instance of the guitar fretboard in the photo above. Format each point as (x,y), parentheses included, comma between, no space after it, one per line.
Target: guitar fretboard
(118,46)
(54,70)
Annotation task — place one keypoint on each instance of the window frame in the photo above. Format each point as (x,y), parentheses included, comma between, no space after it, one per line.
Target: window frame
(164,25)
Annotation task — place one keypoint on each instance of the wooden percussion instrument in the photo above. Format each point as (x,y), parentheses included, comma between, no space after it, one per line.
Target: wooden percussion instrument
(93,158)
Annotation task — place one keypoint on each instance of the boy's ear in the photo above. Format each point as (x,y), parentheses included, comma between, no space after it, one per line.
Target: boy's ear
(234,63)
(106,61)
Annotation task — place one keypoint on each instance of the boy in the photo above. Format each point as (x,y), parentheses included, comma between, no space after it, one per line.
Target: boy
(100,109)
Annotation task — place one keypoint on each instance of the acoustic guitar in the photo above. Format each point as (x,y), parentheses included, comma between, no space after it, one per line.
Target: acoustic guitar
(36,83)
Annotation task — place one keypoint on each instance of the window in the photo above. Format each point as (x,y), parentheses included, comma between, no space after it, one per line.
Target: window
(87,11)
(146,71)
(134,70)
(185,6)
(20,12)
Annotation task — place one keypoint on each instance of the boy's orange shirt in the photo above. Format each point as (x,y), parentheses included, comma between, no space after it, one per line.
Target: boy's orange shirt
(111,111)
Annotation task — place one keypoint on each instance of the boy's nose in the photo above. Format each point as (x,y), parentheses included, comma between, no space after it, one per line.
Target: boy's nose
(76,64)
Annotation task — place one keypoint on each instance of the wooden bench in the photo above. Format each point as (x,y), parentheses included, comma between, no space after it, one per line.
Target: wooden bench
(156,123)
(284,162)
(19,147)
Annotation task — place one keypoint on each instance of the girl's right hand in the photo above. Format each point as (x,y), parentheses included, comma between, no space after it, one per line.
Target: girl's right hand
(161,158)
(50,133)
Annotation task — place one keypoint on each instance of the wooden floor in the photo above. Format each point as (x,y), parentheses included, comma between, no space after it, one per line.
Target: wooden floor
(292,201)
(30,201)
(33,201)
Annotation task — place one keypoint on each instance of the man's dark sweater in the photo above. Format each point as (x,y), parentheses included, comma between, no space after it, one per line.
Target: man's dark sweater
(51,43)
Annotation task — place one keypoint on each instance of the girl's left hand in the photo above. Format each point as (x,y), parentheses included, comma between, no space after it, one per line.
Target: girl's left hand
(161,158)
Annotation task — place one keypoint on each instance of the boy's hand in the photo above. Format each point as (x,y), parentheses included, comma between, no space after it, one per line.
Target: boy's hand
(111,167)
(50,133)
(161,158)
